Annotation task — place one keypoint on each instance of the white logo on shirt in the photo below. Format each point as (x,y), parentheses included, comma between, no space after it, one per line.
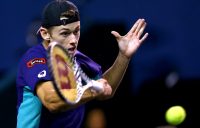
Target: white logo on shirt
(42,74)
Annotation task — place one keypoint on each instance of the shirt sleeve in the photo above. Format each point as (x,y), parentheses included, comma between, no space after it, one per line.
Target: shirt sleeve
(90,67)
(35,70)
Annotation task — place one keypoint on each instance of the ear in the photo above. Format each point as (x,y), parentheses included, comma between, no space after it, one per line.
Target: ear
(44,34)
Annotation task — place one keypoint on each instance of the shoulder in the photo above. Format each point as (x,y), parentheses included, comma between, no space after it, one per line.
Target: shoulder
(35,53)
(37,50)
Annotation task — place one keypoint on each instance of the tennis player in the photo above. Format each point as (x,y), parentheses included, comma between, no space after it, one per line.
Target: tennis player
(38,105)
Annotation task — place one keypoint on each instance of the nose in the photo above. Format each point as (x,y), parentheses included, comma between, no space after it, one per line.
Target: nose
(73,39)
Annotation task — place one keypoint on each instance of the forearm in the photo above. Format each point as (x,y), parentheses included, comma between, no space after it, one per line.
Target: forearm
(116,72)
(87,96)
(54,103)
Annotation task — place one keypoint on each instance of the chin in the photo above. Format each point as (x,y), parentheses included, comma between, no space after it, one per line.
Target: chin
(71,53)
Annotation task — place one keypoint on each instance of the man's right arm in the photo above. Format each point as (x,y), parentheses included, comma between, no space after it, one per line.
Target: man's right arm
(50,99)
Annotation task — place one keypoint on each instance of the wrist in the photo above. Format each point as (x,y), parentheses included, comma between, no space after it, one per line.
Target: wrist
(123,57)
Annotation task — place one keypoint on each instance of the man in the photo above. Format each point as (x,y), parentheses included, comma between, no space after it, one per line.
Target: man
(38,104)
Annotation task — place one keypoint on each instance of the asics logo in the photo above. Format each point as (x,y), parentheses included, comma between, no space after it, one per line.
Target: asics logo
(42,74)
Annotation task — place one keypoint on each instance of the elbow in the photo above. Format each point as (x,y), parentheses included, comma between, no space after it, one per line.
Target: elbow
(52,108)
(53,105)
(55,108)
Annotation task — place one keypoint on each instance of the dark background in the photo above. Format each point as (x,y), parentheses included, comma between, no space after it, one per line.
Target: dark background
(164,71)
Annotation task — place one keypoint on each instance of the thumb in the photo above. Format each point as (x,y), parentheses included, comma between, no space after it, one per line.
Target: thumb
(115,34)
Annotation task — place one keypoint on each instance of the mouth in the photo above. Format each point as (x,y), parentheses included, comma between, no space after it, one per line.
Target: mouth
(71,50)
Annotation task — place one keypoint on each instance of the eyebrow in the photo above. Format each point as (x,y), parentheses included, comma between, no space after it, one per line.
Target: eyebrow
(67,29)
(63,29)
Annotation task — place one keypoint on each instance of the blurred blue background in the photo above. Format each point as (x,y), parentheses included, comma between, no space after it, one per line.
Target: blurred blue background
(165,66)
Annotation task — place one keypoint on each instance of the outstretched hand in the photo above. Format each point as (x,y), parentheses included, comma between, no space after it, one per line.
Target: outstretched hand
(129,43)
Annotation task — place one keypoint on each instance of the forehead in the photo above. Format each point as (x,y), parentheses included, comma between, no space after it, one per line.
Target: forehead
(71,26)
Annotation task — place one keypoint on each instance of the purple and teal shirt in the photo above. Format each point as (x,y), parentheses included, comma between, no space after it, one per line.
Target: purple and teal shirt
(33,68)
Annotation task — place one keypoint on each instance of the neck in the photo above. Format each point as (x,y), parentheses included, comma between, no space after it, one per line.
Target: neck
(45,44)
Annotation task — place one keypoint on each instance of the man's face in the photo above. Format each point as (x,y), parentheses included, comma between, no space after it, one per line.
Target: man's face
(67,35)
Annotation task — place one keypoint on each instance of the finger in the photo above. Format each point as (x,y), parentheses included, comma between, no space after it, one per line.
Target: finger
(109,89)
(134,26)
(141,30)
(142,21)
(144,37)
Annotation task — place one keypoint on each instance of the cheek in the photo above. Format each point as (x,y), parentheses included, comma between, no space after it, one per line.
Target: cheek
(58,38)
(78,36)
(72,38)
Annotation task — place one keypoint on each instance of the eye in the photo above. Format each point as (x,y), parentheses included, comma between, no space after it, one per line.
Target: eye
(76,31)
(65,33)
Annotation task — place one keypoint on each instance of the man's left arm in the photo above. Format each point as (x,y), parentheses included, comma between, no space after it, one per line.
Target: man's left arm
(128,45)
